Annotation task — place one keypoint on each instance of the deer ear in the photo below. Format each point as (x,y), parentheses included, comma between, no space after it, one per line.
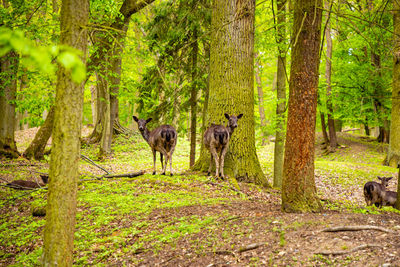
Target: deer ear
(135,118)
(389,178)
(226,116)
(380,178)
(239,116)
(149,120)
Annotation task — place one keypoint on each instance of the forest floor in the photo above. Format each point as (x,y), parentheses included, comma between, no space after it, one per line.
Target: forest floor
(190,219)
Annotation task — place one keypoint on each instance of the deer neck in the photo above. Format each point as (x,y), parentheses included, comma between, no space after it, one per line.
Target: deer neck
(230,130)
(146,134)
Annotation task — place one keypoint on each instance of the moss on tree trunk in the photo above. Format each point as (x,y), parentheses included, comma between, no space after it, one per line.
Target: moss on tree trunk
(65,153)
(298,187)
(232,87)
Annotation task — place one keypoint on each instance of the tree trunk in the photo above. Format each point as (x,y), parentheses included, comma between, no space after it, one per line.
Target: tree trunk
(263,123)
(328,71)
(232,87)
(193,100)
(65,152)
(393,156)
(298,186)
(279,148)
(8,88)
(105,122)
(38,145)
(323,129)
(109,54)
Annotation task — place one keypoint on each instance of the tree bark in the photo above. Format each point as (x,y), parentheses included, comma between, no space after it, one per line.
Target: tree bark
(232,87)
(279,147)
(38,145)
(65,152)
(263,123)
(328,71)
(393,156)
(8,88)
(193,100)
(298,185)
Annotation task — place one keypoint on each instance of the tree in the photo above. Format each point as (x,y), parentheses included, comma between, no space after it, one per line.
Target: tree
(328,72)
(298,185)
(65,155)
(106,61)
(393,156)
(8,85)
(279,147)
(232,87)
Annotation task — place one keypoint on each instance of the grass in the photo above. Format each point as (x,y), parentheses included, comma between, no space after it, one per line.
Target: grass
(117,218)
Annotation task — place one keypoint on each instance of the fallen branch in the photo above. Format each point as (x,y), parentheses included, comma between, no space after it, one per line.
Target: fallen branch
(342,252)
(92,162)
(356,228)
(250,247)
(129,175)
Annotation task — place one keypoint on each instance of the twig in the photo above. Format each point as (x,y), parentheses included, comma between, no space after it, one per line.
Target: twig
(250,247)
(225,252)
(356,228)
(92,162)
(342,252)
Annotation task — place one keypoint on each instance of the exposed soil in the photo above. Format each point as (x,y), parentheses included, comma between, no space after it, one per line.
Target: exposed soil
(257,233)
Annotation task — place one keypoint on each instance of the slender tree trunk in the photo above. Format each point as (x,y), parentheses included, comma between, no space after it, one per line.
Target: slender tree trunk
(65,152)
(8,88)
(105,119)
(298,185)
(279,148)
(38,145)
(193,100)
(328,71)
(232,87)
(263,123)
(323,128)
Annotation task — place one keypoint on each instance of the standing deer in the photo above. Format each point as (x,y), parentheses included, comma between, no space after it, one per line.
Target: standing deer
(377,194)
(216,140)
(161,139)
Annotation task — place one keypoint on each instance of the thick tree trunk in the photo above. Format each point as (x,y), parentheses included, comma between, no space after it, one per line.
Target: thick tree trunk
(328,71)
(38,145)
(393,156)
(8,88)
(279,148)
(193,100)
(65,152)
(232,87)
(263,123)
(298,186)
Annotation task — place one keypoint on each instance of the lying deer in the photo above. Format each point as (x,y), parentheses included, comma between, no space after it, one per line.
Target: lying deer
(376,194)
(162,139)
(26,185)
(216,140)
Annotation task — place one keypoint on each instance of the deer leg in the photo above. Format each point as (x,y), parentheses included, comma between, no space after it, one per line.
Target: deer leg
(215,155)
(154,161)
(166,163)
(222,161)
(211,161)
(161,159)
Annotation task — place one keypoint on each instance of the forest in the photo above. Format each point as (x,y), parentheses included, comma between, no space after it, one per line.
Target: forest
(199,133)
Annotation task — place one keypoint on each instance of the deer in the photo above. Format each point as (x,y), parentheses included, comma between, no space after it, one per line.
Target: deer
(216,140)
(376,193)
(26,185)
(162,139)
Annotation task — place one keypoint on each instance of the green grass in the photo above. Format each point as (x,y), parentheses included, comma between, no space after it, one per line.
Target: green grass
(115,216)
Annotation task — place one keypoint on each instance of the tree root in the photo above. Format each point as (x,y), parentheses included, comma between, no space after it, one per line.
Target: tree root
(342,252)
(356,228)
